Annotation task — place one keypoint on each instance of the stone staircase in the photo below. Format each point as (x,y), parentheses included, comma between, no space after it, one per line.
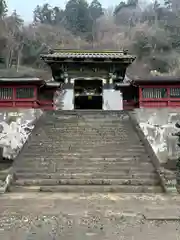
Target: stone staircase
(85,151)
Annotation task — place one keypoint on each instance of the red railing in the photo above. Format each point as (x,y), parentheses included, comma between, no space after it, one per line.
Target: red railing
(163,102)
(13,101)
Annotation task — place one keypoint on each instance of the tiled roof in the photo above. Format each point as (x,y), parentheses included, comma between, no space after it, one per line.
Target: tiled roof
(87,54)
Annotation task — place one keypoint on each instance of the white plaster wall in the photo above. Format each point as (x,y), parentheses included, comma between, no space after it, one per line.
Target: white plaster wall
(68,100)
(112,100)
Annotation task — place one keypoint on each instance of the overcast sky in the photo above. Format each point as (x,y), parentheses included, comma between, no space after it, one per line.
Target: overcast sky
(25,7)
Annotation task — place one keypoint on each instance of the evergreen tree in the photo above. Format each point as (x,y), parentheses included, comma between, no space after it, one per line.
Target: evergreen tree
(96,9)
(77,16)
(43,14)
(3,8)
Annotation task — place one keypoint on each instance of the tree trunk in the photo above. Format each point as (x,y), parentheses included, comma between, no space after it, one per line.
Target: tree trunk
(19,55)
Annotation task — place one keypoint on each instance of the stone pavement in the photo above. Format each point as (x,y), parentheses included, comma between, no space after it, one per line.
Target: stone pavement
(97,216)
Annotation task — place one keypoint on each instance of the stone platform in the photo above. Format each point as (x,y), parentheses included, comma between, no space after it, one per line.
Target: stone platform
(84,216)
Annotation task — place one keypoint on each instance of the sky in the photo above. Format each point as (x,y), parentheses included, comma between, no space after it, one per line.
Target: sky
(25,7)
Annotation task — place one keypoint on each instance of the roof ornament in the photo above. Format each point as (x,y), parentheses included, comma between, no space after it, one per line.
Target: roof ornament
(51,51)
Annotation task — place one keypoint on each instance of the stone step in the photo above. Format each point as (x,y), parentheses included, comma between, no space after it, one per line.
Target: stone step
(95,127)
(79,170)
(97,152)
(100,128)
(88,175)
(87,166)
(65,141)
(88,189)
(73,137)
(88,146)
(90,118)
(91,124)
(82,138)
(83,147)
(84,157)
(94,119)
(86,120)
(104,182)
(87,123)
(103,136)
(87,141)
(84,116)
(98,135)
(84,154)
(89,131)
(81,135)
(86,151)
(80,159)
(55,143)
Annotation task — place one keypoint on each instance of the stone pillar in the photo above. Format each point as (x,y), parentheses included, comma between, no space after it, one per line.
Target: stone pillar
(68,100)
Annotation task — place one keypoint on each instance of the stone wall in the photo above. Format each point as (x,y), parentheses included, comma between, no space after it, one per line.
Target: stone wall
(15,127)
(158,126)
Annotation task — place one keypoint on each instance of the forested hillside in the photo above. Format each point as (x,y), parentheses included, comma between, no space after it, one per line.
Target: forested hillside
(150,31)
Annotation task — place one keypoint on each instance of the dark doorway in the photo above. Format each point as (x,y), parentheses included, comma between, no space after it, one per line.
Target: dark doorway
(88,94)
(88,102)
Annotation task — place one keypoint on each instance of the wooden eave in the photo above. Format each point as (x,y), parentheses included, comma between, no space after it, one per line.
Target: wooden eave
(157,80)
(21,81)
